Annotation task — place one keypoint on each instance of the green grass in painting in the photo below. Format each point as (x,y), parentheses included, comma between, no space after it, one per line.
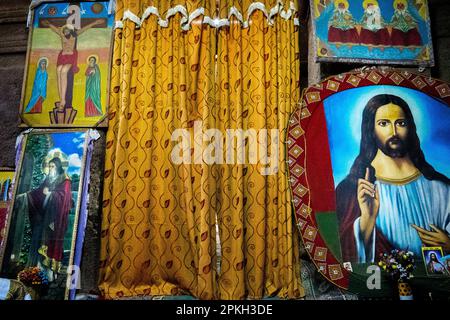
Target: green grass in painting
(91,39)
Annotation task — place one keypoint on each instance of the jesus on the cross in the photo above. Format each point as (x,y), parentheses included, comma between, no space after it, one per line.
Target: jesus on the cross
(68,57)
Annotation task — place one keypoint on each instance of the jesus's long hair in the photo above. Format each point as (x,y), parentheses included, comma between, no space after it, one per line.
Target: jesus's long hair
(368,148)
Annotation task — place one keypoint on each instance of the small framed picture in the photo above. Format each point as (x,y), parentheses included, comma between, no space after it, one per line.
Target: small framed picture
(6,182)
(6,178)
(434,262)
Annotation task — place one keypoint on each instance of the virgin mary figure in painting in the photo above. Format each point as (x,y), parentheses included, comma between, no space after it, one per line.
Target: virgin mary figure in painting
(392,197)
(342,26)
(374,31)
(48,208)
(404,28)
(93,106)
(39,92)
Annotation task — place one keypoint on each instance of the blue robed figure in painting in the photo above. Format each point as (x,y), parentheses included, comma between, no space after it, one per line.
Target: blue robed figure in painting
(39,92)
(392,197)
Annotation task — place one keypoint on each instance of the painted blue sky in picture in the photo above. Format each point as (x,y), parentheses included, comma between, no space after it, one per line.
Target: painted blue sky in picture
(362,51)
(444,259)
(72,144)
(42,11)
(343,112)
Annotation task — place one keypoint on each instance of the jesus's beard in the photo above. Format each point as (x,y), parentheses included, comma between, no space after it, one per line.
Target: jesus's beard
(399,152)
(52,176)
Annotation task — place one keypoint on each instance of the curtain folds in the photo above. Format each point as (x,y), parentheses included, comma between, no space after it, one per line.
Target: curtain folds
(157,231)
(163,194)
(258,77)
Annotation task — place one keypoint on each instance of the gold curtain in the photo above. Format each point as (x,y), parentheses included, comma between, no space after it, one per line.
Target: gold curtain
(258,77)
(158,228)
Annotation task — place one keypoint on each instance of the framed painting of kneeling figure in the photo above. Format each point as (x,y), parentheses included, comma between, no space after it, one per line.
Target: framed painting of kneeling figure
(45,223)
(66,81)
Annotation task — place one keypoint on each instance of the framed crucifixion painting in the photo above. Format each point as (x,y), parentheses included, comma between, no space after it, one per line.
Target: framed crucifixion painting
(66,81)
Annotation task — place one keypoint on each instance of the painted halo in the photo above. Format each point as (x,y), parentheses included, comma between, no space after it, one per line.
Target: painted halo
(366,3)
(344,2)
(397,2)
(92,56)
(42,59)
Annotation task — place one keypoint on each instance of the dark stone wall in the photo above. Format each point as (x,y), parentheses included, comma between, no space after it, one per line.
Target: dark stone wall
(91,249)
(13,43)
(440,27)
(11,75)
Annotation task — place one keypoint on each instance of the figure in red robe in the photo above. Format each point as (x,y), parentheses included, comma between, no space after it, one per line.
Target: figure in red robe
(49,207)
(342,26)
(405,31)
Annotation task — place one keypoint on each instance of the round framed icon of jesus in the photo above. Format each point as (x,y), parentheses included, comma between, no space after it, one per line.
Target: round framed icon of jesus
(369,172)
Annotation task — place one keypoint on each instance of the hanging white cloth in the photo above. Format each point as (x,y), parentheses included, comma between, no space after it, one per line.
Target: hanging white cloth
(216,22)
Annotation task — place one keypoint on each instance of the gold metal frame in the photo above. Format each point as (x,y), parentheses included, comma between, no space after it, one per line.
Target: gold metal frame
(103,121)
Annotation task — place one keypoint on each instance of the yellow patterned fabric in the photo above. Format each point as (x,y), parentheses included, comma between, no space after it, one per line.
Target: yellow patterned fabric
(158,230)
(258,88)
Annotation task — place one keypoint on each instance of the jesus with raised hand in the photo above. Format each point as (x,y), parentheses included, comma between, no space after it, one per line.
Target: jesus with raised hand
(392,198)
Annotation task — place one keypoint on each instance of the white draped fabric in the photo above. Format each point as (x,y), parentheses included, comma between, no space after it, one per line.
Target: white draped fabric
(216,22)
(420,202)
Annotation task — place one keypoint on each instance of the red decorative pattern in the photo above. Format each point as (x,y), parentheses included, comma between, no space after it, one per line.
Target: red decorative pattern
(310,170)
